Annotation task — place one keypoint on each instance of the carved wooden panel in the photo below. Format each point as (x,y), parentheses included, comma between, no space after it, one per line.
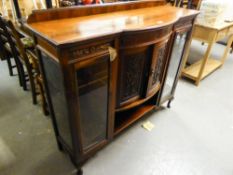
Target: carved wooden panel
(88,51)
(159,65)
(157,68)
(132,75)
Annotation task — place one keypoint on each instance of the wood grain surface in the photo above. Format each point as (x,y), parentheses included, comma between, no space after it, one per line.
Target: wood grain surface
(70,30)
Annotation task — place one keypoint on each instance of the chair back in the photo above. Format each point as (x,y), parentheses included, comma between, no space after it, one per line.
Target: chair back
(3,53)
(3,40)
(14,40)
(6,39)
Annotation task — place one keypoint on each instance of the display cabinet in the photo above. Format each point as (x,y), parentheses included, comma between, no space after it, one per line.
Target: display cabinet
(106,67)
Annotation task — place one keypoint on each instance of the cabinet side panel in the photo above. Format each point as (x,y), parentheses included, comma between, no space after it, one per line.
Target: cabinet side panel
(54,80)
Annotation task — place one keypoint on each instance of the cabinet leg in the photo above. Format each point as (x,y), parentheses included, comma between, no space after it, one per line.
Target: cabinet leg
(169,104)
(80,172)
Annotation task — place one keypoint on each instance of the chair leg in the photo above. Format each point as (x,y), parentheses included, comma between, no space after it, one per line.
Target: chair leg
(43,99)
(33,89)
(10,66)
(32,84)
(23,77)
(19,68)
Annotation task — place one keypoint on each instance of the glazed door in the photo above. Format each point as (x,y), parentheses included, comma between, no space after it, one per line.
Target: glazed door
(93,86)
(174,66)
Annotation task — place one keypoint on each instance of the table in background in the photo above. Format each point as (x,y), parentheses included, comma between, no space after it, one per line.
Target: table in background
(210,35)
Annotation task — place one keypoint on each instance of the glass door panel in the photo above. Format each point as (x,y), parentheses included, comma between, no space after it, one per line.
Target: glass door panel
(174,65)
(93,83)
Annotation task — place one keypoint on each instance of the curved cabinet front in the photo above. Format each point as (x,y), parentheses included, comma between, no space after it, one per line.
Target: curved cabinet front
(142,56)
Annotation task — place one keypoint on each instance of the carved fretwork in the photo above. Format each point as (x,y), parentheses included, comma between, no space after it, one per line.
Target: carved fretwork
(89,50)
(159,65)
(132,75)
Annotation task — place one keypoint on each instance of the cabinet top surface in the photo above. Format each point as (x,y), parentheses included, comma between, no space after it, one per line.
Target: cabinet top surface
(69,30)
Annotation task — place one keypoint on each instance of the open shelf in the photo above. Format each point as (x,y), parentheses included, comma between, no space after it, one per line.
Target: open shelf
(138,102)
(126,118)
(193,70)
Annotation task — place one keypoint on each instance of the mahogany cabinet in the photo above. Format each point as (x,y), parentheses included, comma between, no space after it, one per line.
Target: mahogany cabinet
(106,66)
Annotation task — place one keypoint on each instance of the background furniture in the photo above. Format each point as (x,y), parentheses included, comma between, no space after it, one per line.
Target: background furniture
(182,3)
(105,72)
(20,52)
(25,49)
(232,47)
(196,4)
(21,49)
(9,51)
(5,55)
(190,4)
(209,34)
(39,82)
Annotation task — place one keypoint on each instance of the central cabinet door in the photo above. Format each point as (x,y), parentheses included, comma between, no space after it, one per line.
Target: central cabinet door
(142,56)
(133,73)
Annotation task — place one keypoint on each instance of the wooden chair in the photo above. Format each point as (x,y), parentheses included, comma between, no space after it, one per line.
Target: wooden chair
(4,55)
(8,52)
(22,51)
(28,59)
(22,55)
(38,79)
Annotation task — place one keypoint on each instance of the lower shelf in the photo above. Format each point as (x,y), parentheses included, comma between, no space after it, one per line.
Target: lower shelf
(192,71)
(126,118)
